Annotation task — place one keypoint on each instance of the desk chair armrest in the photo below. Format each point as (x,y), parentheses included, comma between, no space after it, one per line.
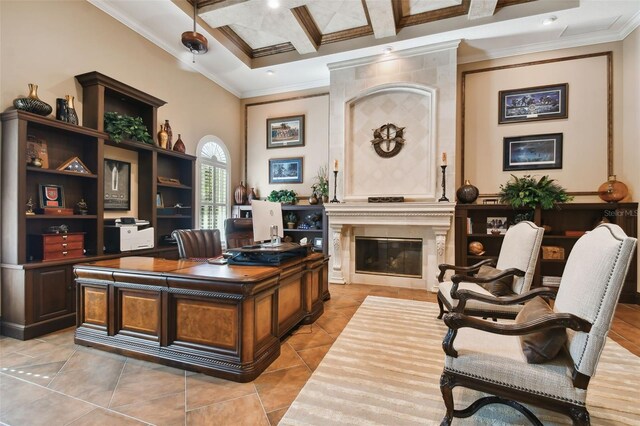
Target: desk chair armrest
(444,267)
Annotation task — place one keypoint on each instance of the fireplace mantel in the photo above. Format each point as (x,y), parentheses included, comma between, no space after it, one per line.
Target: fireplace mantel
(431,219)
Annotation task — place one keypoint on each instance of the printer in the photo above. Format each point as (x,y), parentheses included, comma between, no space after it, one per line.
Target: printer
(128,234)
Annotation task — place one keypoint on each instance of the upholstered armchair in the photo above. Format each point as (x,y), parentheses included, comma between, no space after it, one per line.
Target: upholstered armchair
(512,275)
(198,243)
(495,358)
(238,232)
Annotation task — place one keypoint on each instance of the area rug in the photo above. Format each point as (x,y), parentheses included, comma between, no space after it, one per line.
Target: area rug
(384,369)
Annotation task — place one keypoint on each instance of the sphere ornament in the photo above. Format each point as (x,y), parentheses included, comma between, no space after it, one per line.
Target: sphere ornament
(467,193)
(613,190)
(476,248)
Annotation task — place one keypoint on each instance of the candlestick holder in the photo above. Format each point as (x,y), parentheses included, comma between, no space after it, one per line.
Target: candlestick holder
(444,184)
(335,185)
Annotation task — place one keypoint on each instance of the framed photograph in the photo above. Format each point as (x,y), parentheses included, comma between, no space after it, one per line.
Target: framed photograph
(285,170)
(37,148)
(51,196)
(317,243)
(117,185)
(285,131)
(533,103)
(159,200)
(533,152)
(497,225)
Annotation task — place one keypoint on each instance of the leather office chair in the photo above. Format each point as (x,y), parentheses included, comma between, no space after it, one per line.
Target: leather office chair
(198,243)
(517,263)
(489,357)
(238,232)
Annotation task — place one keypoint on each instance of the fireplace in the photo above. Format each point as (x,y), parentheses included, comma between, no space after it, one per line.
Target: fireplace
(400,257)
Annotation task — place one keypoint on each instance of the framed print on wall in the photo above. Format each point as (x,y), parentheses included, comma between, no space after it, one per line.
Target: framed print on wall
(285,170)
(117,185)
(534,152)
(533,103)
(285,132)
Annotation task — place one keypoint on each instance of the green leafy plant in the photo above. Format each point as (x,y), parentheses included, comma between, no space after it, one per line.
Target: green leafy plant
(291,217)
(321,185)
(529,192)
(121,127)
(285,196)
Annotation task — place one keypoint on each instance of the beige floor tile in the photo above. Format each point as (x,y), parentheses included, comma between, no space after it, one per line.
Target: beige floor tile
(41,374)
(288,358)
(279,388)
(245,410)
(332,322)
(62,337)
(275,416)
(205,390)
(312,357)
(17,393)
(102,417)
(309,336)
(167,410)
(140,384)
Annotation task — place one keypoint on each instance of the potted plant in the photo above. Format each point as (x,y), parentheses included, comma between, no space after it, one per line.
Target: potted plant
(528,192)
(291,218)
(121,127)
(321,185)
(284,196)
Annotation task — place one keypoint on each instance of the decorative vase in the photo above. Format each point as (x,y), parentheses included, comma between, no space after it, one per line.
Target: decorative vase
(167,128)
(32,103)
(240,194)
(163,138)
(325,199)
(313,199)
(467,193)
(251,196)
(613,190)
(179,145)
(72,116)
(62,109)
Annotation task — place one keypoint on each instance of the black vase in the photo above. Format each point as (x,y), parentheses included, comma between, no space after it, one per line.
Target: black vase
(72,116)
(32,103)
(62,109)
(467,193)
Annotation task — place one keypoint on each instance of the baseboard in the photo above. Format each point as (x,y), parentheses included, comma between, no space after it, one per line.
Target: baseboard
(22,332)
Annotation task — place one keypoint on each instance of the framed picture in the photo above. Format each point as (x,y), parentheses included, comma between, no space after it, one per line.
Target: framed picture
(533,103)
(37,148)
(497,225)
(285,170)
(51,196)
(317,243)
(285,131)
(159,200)
(533,152)
(117,185)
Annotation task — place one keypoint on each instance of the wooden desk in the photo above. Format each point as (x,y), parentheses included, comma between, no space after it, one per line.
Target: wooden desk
(221,320)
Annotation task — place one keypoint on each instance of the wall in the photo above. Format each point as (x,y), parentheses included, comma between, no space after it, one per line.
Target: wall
(315,107)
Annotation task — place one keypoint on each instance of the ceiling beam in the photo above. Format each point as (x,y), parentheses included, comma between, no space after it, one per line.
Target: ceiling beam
(481,9)
(382,17)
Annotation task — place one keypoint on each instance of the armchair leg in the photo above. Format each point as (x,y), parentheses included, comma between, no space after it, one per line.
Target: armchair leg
(447,383)
(579,416)
(441,306)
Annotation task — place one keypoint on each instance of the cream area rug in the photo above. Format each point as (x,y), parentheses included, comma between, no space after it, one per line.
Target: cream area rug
(384,369)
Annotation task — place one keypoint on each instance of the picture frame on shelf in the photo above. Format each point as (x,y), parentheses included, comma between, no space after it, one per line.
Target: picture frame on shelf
(159,200)
(37,148)
(117,185)
(285,132)
(532,152)
(533,103)
(51,196)
(317,243)
(497,225)
(74,164)
(285,170)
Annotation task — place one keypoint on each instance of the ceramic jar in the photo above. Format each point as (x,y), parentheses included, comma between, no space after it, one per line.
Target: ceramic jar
(467,193)
(613,190)
(32,103)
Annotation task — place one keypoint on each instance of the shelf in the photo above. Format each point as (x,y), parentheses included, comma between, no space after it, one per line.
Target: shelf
(55,124)
(485,235)
(33,169)
(130,145)
(302,230)
(174,216)
(173,186)
(61,217)
(562,261)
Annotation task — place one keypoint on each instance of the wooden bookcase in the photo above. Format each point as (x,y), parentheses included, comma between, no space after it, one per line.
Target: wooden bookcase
(471,225)
(39,296)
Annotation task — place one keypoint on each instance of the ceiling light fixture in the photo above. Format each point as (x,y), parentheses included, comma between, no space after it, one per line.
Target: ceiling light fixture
(550,20)
(387,50)
(273,4)
(193,40)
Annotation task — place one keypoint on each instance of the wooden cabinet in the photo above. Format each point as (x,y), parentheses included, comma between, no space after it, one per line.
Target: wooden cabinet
(37,282)
(563,227)
(310,222)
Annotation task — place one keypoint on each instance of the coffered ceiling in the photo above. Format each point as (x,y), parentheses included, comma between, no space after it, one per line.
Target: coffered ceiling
(257,50)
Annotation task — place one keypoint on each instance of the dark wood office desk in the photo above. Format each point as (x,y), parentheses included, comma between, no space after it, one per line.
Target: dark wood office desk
(221,320)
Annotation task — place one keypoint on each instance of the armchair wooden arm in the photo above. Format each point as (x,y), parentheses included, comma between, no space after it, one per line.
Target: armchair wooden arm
(457,320)
(444,267)
(464,295)
(458,278)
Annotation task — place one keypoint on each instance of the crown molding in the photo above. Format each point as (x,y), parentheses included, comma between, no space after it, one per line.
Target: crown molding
(283,89)
(630,25)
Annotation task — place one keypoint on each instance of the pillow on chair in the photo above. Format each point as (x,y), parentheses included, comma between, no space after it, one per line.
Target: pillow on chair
(541,346)
(499,288)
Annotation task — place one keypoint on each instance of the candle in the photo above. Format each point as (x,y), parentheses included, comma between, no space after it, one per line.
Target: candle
(335,166)
(444,158)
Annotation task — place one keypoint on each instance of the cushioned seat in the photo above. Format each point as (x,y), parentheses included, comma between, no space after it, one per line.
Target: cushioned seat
(517,259)
(238,232)
(198,243)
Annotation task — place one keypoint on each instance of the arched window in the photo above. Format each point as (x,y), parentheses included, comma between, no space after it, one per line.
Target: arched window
(213,183)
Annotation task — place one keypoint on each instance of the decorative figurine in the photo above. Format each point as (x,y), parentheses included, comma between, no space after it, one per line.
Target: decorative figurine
(82,207)
(30,211)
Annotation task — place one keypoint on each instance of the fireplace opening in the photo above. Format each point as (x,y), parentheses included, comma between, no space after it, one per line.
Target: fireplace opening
(389,256)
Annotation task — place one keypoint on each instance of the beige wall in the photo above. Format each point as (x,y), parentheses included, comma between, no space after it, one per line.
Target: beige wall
(314,106)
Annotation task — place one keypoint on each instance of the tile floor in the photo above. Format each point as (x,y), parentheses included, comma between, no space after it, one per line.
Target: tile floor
(51,381)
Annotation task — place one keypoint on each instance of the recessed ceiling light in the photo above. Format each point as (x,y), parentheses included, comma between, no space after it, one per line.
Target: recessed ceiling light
(270,72)
(387,50)
(273,4)
(550,20)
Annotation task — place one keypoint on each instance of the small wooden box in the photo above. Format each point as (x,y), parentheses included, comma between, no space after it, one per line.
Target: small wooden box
(552,252)
(57,246)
